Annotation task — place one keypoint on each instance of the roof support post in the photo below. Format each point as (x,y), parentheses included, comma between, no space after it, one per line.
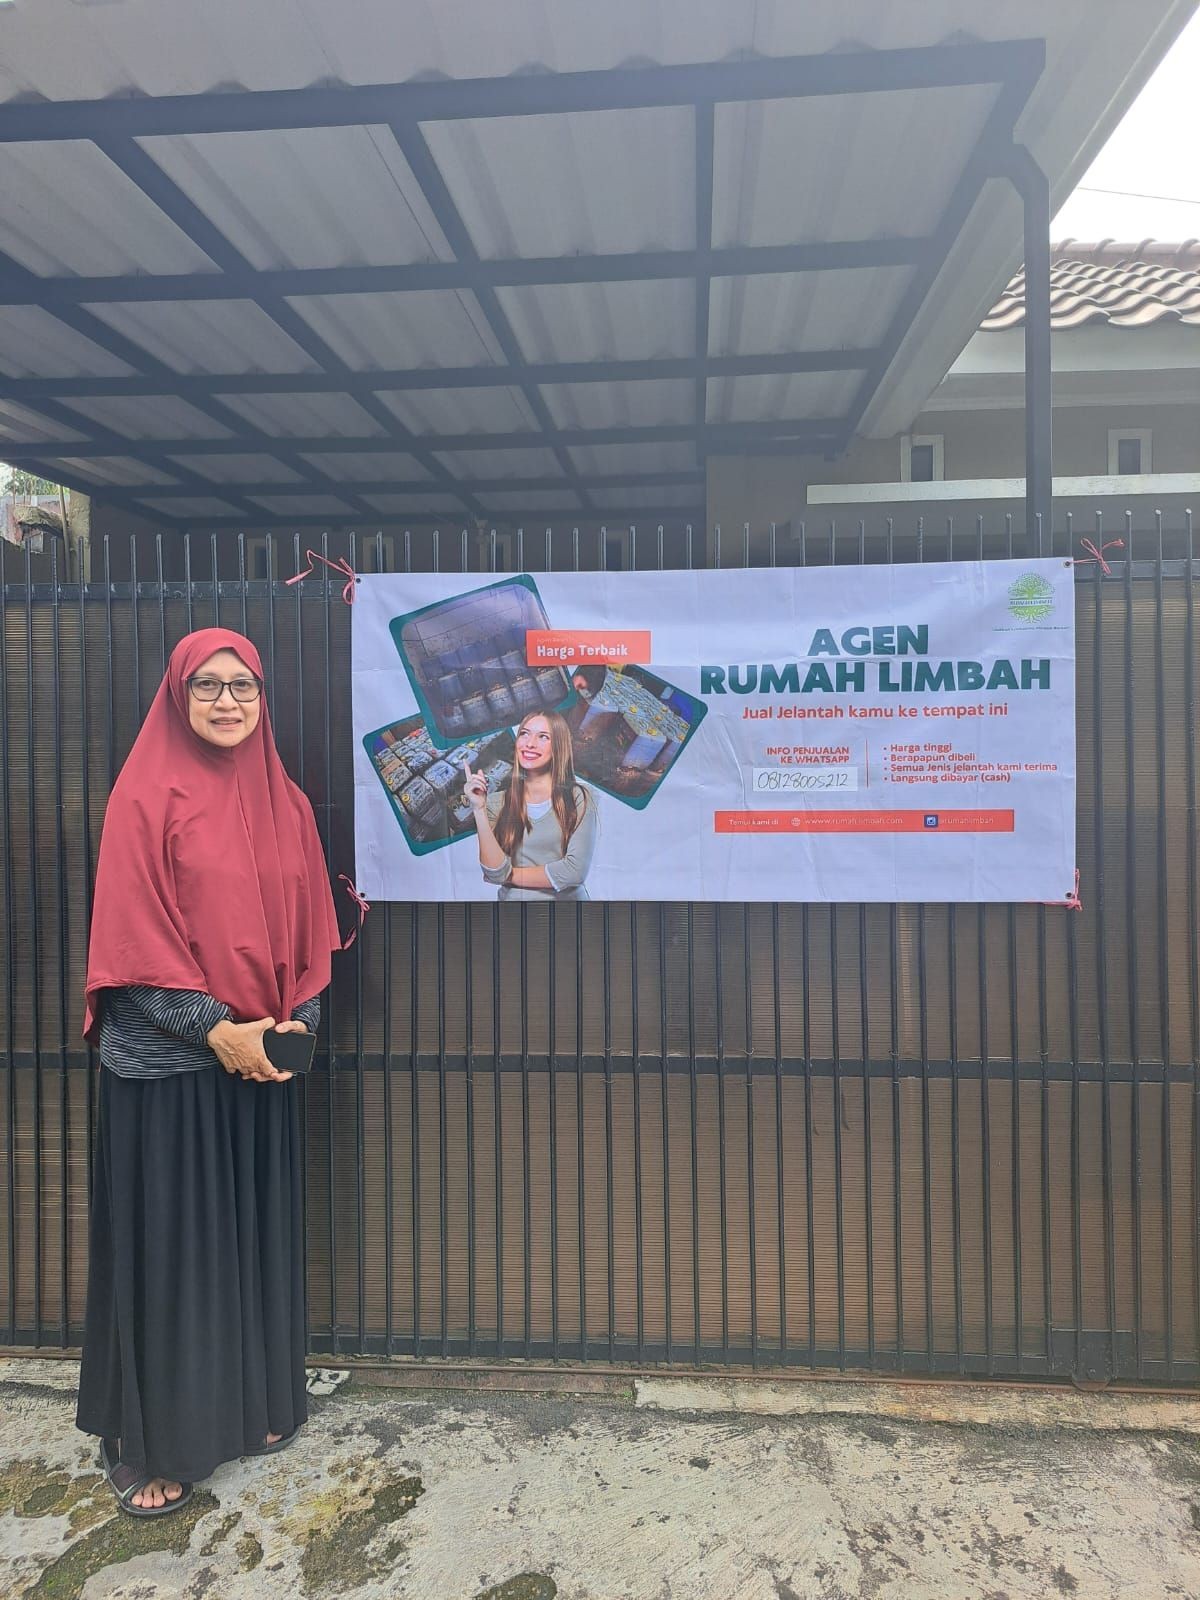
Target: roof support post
(1033,186)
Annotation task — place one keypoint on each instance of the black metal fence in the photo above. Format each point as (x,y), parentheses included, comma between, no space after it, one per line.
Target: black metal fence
(921,1138)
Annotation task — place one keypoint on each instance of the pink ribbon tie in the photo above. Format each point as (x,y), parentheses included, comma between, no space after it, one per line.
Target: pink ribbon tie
(1097,555)
(363,905)
(341,565)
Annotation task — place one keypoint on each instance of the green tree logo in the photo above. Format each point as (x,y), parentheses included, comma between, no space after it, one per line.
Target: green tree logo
(1030,598)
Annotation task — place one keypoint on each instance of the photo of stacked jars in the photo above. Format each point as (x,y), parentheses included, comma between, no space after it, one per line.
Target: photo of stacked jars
(469,659)
(427,783)
(629,730)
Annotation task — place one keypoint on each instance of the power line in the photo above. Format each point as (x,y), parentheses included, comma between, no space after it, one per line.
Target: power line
(1134,194)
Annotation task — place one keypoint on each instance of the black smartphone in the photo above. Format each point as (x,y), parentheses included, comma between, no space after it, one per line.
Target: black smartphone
(289,1052)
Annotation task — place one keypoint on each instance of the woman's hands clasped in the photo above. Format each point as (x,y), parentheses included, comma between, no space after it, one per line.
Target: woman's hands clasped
(238,1047)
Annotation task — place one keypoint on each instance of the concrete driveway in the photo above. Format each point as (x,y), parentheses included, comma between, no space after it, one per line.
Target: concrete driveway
(867,1492)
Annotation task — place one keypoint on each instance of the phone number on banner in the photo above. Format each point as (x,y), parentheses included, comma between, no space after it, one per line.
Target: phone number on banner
(801,780)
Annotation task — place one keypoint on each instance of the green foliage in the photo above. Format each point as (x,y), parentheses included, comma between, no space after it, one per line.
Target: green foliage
(15,480)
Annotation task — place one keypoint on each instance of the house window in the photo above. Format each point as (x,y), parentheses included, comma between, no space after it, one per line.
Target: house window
(1129,451)
(922,458)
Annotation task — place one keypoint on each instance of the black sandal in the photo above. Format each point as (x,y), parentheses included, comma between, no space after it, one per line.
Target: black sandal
(277,1445)
(125,1484)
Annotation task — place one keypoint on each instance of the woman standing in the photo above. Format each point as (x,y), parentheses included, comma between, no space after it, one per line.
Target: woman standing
(212,922)
(536,837)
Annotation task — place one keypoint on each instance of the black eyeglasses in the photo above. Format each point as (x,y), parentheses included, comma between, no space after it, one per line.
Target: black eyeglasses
(243,690)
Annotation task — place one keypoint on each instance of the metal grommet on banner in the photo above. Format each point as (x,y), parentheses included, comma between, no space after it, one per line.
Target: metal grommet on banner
(341,565)
(1072,901)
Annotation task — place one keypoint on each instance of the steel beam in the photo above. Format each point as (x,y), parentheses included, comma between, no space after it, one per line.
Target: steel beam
(527,94)
(796,432)
(433,186)
(634,481)
(1033,187)
(977,169)
(374,380)
(239,281)
(129,157)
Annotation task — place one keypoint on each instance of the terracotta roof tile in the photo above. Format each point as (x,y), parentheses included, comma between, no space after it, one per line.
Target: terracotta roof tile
(1120,285)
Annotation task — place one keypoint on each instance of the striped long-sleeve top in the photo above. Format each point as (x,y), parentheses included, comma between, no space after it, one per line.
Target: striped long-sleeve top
(155,1033)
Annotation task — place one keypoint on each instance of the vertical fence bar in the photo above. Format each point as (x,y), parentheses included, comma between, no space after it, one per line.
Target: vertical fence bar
(810,1221)
(750,1185)
(85,761)
(1193,941)
(360,1121)
(35,958)
(638,1218)
(839,1207)
(61,878)
(1164,1004)
(10,1042)
(722,1148)
(1015,1114)
(864,1024)
(897,1187)
(1132,964)
(1102,957)
(331,1074)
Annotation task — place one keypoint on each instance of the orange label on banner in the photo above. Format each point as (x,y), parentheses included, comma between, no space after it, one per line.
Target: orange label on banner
(863,821)
(598,647)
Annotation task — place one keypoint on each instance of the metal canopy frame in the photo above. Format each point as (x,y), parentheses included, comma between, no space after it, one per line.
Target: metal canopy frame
(114,126)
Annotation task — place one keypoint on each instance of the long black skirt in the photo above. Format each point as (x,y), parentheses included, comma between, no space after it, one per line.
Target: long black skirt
(194,1335)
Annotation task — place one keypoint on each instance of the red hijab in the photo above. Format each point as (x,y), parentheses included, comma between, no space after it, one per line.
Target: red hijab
(211,874)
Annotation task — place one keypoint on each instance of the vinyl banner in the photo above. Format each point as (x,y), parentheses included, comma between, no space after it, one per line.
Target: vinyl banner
(891,733)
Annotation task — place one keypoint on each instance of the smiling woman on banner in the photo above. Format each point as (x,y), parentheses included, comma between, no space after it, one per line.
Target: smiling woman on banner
(212,923)
(537,836)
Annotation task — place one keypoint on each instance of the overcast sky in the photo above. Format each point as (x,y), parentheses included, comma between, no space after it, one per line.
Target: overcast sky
(1154,152)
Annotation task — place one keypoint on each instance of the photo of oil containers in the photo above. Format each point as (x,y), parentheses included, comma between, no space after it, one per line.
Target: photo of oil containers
(425,783)
(628,728)
(466,660)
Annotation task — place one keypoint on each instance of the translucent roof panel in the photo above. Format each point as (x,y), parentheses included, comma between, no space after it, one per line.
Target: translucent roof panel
(191,506)
(501,463)
(779,312)
(425,328)
(622,180)
(304,415)
(113,470)
(554,502)
(461,410)
(240,469)
(795,396)
(308,505)
(69,209)
(473,190)
(883,142)
(306,197)
(18,422)
(35,344)
(604,460)
(383,467)
(208,335)
(158,416)
(611,405)
(602,321)
(402,504)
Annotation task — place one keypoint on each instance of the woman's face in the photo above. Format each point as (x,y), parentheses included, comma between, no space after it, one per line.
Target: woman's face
(225,722)
(534,746)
